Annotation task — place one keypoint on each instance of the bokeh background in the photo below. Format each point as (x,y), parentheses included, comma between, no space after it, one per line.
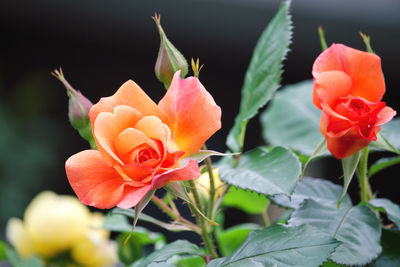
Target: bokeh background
(101,44)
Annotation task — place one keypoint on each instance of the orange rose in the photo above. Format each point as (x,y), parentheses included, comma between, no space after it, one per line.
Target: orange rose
(141,144)
(348,87)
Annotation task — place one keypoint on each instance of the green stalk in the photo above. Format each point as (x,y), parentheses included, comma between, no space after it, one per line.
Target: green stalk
(212,185)
(205,234)
(170,212)
(366,192)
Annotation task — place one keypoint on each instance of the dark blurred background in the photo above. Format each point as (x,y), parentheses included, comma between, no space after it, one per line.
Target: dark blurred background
(101,44)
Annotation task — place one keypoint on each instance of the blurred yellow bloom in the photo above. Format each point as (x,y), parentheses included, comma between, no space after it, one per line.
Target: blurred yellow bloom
(55,224)
(203,184)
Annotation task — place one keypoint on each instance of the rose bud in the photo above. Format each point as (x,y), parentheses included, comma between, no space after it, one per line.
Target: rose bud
(169,59)
(78,109)
(348,88)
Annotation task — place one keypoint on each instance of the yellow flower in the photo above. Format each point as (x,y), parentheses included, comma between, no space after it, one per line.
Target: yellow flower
(95,249)
(55,224)
(203,184)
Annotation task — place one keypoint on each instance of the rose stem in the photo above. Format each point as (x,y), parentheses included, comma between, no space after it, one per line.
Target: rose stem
(366,193)
(177,217)
(201,221)
(212,185)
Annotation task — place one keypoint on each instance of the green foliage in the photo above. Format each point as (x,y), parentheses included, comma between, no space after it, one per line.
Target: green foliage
(3,251)
(349,166)
(389,137)
(272,173)
(189,261)
(263,75)
(203,154)
(175,248)
(391,247)
(382,164)
(391,209)
(230,239)
(292,120)
(282,246)
(16,261)
(245,200)
(356,227)
(129,248)
(319,190)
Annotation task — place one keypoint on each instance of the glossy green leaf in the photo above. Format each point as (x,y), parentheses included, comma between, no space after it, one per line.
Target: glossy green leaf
(357,228)
(263,75)
(382,164)
(189,261)
(245,200)
(175,248)
(391,209)
(230,239)
(292,120)
(281,246)
(390,256)
(349,166)
(276,172)
(320,190)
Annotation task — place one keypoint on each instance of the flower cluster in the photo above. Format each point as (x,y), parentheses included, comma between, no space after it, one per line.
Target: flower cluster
(348,87)
(56,225)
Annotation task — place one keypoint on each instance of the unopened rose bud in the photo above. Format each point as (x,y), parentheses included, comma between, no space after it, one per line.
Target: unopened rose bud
(169,59)
(78,109)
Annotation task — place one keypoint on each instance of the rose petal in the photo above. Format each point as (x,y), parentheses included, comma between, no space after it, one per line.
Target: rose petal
(94,182)
(132,196)
(128,94)
(189,171)
(192,113)
(363,68)
(330,86)
(385,115)
(153,128)
(108,126)
(130,138)
(346,145)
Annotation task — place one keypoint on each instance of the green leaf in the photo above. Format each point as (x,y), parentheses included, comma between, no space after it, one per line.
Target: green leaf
(245,200)
(357,228)
(263,75)
(391,209)
(391,247)
(16,261)
(382,164)
(3,251)
(175,248)
(281,246)
(349,166)
(320,150)
(320,190)
(230,239)
(189,261)
(292,120)
(117,223)
(389,136)
(272,173)
(129,248)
